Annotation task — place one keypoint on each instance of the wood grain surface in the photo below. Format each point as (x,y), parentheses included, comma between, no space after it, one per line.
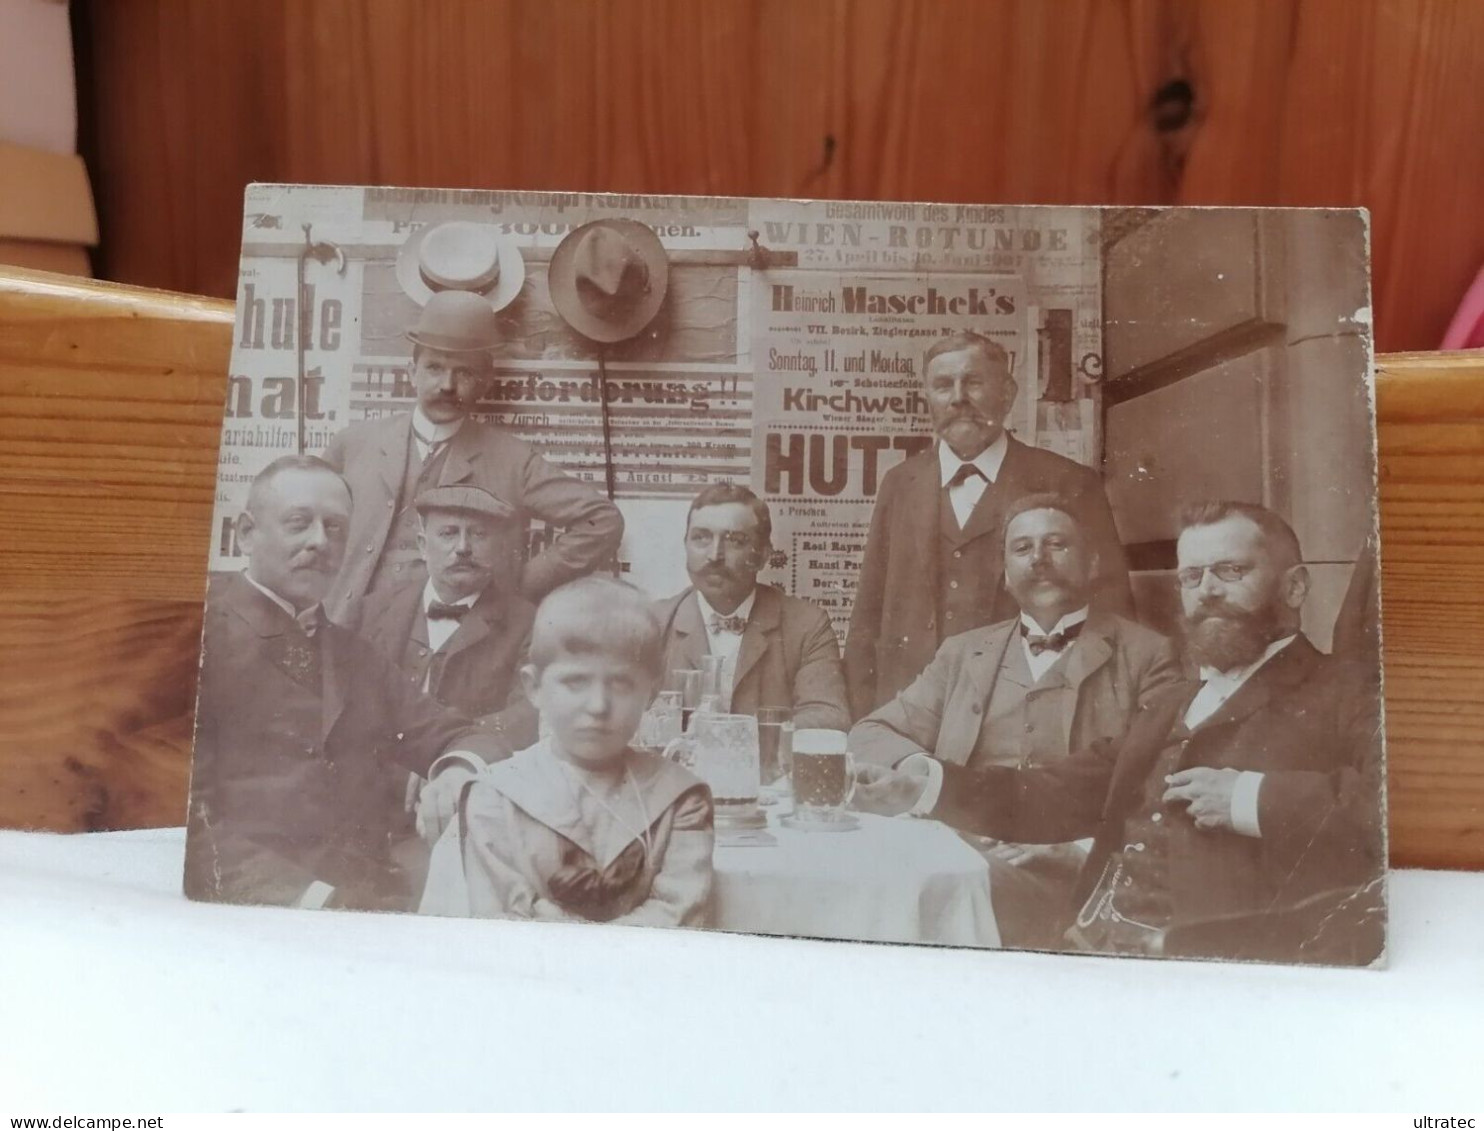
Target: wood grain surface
(110,403)
(1377,103)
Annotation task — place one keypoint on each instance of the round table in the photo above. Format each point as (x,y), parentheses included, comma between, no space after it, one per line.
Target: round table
(892,879)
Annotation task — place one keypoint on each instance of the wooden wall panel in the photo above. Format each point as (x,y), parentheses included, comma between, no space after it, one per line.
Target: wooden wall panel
(1371,102)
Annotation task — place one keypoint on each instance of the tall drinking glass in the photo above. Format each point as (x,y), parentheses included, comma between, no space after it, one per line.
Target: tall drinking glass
(775,735)
(713,697)
(687,681)
(661,723)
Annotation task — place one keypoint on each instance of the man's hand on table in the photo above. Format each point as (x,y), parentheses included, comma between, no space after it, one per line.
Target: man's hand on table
(887,793)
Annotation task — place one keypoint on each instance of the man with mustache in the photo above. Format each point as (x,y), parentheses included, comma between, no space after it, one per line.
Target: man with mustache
(461,635)
(932,566)
(775,650)
(1240,815)
(1026,692)
(302,727)
(389,461)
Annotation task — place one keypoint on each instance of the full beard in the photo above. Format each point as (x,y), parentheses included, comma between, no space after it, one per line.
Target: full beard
(1225,637)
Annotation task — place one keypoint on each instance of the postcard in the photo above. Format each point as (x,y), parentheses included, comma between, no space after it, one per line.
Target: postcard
(944,574)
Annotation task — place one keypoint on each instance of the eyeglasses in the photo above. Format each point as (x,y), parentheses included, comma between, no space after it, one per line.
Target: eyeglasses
(1192,576)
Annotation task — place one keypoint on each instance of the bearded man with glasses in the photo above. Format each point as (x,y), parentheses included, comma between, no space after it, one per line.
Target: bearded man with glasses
(1240,816)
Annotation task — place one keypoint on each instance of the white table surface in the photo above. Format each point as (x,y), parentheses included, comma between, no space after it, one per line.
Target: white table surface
(886,880)
(117,995)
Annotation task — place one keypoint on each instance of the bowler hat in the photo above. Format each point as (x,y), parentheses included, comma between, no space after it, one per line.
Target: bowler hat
(608,278)
(461,256)
(461,497)
(456,322)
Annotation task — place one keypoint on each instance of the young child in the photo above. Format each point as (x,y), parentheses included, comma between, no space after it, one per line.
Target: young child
(580,826)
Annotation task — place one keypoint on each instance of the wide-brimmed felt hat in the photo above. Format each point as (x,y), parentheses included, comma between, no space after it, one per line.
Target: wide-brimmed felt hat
(460,255)
(456,322)
(608,278)
(461,497)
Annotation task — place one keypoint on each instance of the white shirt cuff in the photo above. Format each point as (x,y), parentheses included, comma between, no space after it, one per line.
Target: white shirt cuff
(456,758)
(315,895)
(922,765)
(1244,803)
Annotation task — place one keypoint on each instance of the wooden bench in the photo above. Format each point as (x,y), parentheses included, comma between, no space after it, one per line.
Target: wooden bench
(110,412)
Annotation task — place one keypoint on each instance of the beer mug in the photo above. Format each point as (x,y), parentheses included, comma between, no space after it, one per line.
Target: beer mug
(823,780)
(721,750)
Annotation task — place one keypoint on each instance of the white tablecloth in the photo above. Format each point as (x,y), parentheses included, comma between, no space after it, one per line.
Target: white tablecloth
(889,880)
(118,995)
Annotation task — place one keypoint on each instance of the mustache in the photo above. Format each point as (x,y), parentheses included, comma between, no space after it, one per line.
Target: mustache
(716,571)
(311,559)
(1221,608)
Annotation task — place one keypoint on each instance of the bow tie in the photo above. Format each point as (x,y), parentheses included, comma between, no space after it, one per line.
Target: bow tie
(734,625)
(1056,642)
(965,472)
(437,610)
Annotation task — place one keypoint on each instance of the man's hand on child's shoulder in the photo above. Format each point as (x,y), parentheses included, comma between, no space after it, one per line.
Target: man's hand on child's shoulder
(439,801)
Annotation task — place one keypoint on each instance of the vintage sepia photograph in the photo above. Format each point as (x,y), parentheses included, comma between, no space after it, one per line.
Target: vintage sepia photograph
(918,573)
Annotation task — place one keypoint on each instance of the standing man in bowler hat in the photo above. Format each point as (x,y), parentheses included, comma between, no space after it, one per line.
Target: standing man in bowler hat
(389,462)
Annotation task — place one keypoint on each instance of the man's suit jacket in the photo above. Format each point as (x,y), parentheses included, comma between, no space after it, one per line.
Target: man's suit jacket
(1116,667)
(1308,723)
(478,673)
(894,623)
(789,656)
(372,455)
(275,804)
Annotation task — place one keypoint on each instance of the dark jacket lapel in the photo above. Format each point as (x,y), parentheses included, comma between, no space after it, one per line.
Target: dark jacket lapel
(918,508)
(1290,666)
(476,624)
(1008,486)
(336,655)
(463,450)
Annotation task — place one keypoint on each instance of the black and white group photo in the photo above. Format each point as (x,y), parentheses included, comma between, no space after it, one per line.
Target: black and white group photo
(954,575)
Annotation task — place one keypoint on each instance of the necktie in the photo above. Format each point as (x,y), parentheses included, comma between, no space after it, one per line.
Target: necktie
(1056,642)
(300,655)
(965,472)
(733,625)
(437,610)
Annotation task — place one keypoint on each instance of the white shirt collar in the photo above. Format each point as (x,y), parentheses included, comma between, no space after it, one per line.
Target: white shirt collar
(429,432)
(988,461)
(744,610)
(1076,616)
(286,606)
(1241,675)
(430,595)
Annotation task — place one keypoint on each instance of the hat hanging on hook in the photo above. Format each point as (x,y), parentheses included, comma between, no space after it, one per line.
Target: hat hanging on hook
(461,256)
(608,279)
